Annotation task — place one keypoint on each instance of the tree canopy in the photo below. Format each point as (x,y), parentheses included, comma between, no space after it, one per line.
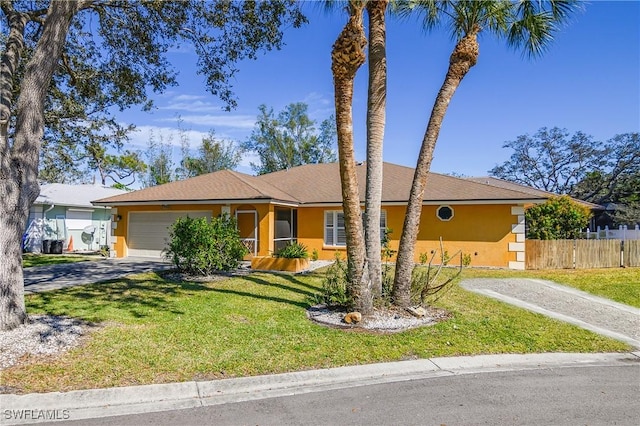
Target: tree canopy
(103,54)
(580,166)
(212,155)
(115,52)
(160,165)
(552,160)
(290,139)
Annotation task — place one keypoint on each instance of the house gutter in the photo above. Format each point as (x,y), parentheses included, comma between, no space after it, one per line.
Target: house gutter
(182,202)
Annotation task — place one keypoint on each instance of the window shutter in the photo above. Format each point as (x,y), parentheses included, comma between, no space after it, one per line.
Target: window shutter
(328,228)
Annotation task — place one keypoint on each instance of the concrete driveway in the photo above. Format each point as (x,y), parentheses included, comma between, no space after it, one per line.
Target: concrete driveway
(600,315)
(53,277)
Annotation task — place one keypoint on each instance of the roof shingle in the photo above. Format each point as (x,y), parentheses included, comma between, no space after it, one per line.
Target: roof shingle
(315,184)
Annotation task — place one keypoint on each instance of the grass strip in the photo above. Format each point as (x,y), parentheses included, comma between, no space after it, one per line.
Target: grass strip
(32,259)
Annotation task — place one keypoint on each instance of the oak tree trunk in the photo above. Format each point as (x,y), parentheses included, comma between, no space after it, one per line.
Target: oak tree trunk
(19,160)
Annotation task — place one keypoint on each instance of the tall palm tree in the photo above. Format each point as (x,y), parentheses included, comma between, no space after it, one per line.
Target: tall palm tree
(530,24)
(347,56)
(376,106)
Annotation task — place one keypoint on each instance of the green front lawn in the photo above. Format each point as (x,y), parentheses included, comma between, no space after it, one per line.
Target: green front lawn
(156,331)
(32,259)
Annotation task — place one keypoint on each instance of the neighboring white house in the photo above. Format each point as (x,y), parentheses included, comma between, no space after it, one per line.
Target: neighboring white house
(63,214)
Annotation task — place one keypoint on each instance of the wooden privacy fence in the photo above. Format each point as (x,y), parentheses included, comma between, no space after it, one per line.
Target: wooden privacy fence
(581,254)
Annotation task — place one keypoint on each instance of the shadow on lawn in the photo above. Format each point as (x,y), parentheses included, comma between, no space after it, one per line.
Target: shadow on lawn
(257,280)
(139,296)
(300,304)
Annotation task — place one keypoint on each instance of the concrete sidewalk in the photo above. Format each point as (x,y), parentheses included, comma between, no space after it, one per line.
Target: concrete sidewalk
(84,404)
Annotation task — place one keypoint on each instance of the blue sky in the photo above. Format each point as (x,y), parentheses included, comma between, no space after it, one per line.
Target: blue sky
(589,80)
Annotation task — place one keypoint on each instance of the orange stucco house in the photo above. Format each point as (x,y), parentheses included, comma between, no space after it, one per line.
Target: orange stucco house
(481,218)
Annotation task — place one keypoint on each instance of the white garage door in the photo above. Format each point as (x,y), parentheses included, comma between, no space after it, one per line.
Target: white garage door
(149,231)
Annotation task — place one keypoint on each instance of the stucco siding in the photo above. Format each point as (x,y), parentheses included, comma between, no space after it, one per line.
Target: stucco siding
(481,231)
(484,232)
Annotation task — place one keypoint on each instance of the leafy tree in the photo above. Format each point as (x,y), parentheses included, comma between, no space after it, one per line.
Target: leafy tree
(551,160)
(212,155)
(523,23)
(290,139)
(599,172)
(125,44)
(82,137)
(557,218)
(616,180)
(117,168)
(160,168)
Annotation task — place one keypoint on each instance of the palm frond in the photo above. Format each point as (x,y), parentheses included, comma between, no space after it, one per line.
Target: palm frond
(534,23)
(429,10)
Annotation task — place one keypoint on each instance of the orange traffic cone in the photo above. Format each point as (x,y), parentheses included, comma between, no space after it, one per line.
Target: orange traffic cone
(70,246)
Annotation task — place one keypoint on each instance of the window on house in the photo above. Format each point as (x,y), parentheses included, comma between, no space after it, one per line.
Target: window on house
(334,232)
(444,213)
(286,229)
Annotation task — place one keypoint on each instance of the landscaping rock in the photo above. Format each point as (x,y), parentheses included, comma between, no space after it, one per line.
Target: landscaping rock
(353,318)
(417,311)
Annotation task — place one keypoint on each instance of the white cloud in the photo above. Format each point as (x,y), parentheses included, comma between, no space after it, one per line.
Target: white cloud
(320,106)
(210,120)
(317,99)
(191,103)
(139,138)
(183,97)
(191,106)
(247,159)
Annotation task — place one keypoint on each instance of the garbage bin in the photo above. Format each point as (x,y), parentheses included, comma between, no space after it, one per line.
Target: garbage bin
(56,246)
(46,246)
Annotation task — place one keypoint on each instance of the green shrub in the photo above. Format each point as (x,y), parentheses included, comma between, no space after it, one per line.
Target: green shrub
(334,286)
(557,218)
(293,251)
(315,255)
(200,247)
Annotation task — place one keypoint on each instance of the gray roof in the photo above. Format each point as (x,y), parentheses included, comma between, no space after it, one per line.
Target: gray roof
(62,194)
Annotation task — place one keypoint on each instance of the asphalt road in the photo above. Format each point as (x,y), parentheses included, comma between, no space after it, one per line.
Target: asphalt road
(52,277)
(603,395)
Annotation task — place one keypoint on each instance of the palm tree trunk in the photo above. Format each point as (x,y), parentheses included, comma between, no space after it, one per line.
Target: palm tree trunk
(376,105)
(464,56)
(346,57)
(19,164)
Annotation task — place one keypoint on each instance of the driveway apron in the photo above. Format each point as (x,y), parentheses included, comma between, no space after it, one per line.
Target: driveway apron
(53,277)
(600,315)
